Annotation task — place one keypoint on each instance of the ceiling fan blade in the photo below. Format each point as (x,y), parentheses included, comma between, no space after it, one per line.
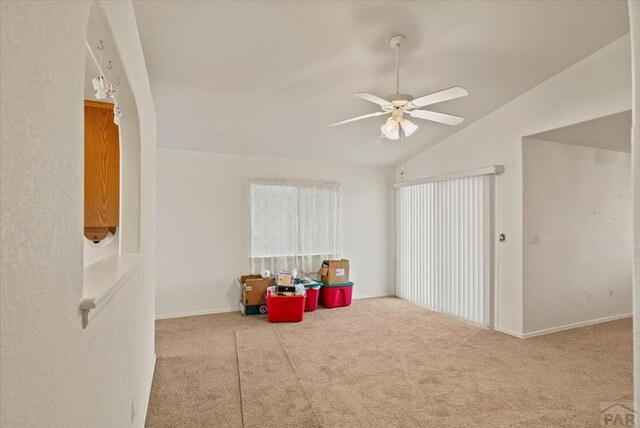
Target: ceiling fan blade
(372,98)
(438,97)
(433,116)
(353,119)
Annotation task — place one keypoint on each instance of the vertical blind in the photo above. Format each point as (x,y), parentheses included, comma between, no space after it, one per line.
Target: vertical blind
(444,248)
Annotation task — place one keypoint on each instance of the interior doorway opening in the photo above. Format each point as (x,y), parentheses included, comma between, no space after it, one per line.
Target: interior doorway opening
(577,224)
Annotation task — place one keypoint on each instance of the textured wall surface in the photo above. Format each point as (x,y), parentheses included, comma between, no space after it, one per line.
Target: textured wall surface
(577,200)
(594,87)
(204,231)
(53,372)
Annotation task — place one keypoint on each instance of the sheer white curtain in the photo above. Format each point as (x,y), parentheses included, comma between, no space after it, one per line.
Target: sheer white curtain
(294,224)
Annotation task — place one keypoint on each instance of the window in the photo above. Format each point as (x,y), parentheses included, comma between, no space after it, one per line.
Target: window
(294,224)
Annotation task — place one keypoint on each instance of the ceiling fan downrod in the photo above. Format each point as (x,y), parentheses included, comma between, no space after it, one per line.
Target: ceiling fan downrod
(396,42)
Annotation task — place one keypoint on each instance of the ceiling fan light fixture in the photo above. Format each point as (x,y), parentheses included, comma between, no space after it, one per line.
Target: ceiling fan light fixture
(408,127)
(391,129)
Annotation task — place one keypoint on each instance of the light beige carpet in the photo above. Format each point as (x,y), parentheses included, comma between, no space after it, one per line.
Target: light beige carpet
(284,403)
(383,363)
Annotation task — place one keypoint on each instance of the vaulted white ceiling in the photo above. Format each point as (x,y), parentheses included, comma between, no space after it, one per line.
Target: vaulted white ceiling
(610,132)
(266,78)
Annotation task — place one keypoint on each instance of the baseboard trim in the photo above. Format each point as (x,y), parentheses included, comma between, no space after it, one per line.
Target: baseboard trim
(196,313)
(372,296)
(227,310)
(576,325)
(509,332)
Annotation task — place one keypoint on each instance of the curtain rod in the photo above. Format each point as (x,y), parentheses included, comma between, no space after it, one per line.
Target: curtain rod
(493,169)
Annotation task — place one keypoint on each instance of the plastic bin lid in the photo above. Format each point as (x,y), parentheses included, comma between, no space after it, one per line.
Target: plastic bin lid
(344,284)
(313,284)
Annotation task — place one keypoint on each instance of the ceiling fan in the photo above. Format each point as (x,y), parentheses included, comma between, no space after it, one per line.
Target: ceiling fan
(399,105)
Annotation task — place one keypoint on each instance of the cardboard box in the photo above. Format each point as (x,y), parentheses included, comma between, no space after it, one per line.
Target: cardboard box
(253,288)
(335,271)
(252,310)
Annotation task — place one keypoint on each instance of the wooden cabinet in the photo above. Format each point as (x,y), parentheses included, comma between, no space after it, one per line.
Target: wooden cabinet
(101,171)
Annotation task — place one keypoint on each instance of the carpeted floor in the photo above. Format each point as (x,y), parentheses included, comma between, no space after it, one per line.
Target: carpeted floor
(383,363)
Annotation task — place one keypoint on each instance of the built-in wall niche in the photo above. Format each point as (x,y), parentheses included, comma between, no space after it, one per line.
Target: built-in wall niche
(111,221)
(101,171)
(112,170)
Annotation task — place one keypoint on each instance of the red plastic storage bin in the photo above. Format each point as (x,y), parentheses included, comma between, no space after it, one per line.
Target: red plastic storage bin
(284,308)
(333,296)
(311,303)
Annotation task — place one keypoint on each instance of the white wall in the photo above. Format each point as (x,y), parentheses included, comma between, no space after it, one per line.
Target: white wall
(203,225)
(53,372)
(597,86)
(578,201)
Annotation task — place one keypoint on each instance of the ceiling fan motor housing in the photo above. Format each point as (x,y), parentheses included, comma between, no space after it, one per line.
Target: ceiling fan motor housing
(398,101)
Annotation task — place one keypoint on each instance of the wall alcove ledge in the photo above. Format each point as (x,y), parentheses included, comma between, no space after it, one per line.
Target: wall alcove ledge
(103,279)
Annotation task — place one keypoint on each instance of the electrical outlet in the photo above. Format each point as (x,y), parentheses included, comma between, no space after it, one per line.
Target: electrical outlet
(534,238)
(589,295)
(133,409)
(610,292)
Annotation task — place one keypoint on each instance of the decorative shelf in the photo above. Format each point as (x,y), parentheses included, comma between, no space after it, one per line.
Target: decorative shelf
(103,279)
